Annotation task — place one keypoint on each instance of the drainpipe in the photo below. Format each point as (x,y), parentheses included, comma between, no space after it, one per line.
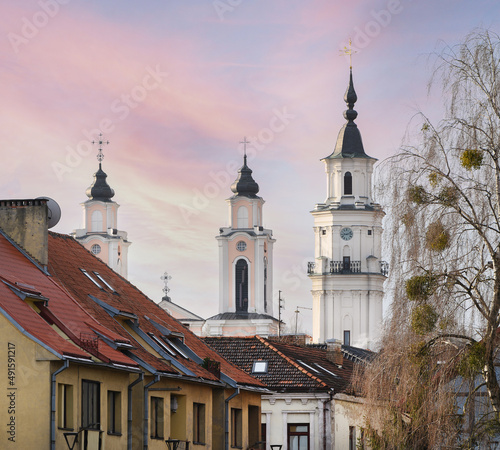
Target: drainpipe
(146,410)
(53,404)
(129,410)
(226,425)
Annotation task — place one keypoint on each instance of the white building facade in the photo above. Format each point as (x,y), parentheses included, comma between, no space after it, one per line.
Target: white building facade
(348,272)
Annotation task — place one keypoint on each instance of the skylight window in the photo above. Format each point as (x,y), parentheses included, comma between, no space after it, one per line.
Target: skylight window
(90,278)
(98,275)
(326,370)
(175,347)
(162,345)
(259,367)
(302,363)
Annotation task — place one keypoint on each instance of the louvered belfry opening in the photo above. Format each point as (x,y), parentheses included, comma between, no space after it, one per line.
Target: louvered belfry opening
(241,286)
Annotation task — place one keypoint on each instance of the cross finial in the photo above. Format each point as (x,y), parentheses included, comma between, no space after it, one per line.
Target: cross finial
(245,142)
(100,142)
(166,277)
(348,51)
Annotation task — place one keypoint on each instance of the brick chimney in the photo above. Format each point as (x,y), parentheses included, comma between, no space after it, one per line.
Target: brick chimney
(334,351)
(25,222)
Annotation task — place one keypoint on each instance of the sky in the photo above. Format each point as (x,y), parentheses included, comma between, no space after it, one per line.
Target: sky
(175,87)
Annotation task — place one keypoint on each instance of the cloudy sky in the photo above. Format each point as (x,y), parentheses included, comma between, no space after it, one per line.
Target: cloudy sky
(175,86)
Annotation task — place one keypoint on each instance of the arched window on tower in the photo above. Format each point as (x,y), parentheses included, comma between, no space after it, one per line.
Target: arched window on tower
(348,183)
(241,286)
(243,217)
(96,224)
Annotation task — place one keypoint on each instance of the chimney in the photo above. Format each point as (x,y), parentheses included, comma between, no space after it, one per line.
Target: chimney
(334,351)
(26,223)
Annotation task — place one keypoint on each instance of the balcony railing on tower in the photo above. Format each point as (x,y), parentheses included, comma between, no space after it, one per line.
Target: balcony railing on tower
(345,267)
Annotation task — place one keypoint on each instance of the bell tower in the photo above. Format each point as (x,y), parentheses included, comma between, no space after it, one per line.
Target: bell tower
(100,233)
(348,273)
(245,265)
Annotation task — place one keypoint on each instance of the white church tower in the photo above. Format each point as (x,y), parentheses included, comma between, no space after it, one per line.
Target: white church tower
(348,273)
(245,266)
(100,233)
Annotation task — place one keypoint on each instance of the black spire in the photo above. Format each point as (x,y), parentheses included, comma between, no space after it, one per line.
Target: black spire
(349,143)
(245,185)
(100,189)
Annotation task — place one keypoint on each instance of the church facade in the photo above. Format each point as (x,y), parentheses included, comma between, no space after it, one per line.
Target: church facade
(348,273)
(245,266)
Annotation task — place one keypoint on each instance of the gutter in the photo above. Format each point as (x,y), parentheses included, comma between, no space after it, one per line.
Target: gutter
(53,404)
(146,410)
(226,412)
(129,410)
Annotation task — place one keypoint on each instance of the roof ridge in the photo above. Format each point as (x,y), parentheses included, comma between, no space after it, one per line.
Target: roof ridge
(291,361)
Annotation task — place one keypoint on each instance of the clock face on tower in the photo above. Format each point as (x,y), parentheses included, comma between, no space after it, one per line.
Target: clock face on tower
(346,234)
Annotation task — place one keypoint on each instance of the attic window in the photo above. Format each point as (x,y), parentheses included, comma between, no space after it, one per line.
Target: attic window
(90,278)
(259,367)
(98,275)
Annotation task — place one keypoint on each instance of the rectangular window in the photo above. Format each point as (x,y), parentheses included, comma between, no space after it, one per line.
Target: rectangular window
(236,426)
(298,436)
(352,438)
(91,405)
(369,232)
(156,420)
(263,434)
(114,412)
(347,337)
(198,423)
(65,406)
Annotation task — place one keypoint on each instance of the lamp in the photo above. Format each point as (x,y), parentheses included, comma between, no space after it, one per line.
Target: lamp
(174,404)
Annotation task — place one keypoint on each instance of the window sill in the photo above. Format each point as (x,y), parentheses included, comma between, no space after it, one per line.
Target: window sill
(114,433)
(65,429)
(199,443)
(159,438)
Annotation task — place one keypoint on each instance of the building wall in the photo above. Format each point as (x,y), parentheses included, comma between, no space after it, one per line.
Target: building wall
(25,391)
(279,410)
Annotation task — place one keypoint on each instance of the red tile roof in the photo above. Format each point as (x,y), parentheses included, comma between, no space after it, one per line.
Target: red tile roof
(94,322)
(290,367)
(67,257)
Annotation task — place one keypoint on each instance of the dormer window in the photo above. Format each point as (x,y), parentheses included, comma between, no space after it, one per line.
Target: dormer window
(348,183)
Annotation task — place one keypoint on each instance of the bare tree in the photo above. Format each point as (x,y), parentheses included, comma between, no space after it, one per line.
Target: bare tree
(440,344)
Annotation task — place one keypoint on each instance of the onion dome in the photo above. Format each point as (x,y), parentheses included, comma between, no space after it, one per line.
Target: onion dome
(349,143)
(245,185)
(100,189)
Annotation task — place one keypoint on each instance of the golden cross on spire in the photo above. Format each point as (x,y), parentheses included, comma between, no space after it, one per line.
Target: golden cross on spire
(245,142)
(348,51)
(100,142)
